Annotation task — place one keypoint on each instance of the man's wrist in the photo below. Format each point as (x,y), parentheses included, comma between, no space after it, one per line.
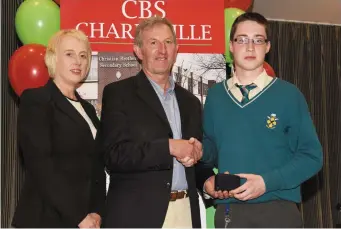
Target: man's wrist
(171,149)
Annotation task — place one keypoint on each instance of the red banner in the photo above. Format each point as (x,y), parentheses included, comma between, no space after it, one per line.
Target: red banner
(110,24)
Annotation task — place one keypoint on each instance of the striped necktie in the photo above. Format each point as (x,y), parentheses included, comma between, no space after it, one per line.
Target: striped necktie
(245,90)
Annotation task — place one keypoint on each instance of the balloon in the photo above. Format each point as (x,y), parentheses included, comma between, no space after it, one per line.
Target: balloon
(269,70)
(36,21)
(230,16)
(27,68)
(239,4)
(57,1)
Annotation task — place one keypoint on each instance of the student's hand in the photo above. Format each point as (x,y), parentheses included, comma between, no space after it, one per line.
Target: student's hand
(197,149)
(210,190)
(253,188)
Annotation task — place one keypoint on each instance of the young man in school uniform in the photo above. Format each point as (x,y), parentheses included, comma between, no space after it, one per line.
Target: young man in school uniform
(259,128)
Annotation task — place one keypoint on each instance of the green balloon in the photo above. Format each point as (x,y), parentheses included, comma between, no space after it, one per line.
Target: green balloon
(230,15)
(36,21)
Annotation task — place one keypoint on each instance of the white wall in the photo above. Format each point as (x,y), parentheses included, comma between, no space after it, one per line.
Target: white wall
(320,11)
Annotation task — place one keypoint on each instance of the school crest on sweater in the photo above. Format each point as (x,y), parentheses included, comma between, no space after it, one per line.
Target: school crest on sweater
(271,122)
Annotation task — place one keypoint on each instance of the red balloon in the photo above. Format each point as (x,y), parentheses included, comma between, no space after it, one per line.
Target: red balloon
(239,4)
(57,1)
(27,68)
(269,70)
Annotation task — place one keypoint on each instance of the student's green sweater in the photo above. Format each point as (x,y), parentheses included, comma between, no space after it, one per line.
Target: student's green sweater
(272,136)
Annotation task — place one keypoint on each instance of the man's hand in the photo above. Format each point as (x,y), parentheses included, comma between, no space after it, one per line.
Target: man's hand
(187,161)
(180,148)
(97,219)
(88,222)
(209,189)
(186,152)
(251,189)
(197,153)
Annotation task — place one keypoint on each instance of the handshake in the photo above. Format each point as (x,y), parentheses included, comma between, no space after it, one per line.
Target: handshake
(187,152)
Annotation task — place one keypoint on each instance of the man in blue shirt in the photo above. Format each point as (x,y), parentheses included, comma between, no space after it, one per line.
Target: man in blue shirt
(150,134)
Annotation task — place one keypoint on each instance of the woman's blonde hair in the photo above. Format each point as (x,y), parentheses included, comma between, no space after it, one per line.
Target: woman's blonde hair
(50,55)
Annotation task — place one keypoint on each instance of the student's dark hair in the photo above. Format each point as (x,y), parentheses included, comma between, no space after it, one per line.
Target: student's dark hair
(250,16)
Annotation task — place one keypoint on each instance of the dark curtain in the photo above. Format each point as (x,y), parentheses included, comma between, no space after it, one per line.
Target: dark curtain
(309,56)
(11,169)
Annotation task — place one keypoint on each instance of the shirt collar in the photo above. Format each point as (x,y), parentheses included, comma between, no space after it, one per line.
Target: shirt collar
(159,89)
(260,81)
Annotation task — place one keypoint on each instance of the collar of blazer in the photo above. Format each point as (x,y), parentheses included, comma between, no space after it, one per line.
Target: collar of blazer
(66,107)
(146,91)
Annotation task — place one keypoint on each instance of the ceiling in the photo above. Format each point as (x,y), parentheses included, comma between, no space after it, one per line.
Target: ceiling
(320,11)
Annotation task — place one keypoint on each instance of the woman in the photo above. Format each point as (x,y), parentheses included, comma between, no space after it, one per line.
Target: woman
(65,179)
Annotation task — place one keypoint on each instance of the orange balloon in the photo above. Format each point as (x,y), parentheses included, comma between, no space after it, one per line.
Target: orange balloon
(269,70)
(27,69)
